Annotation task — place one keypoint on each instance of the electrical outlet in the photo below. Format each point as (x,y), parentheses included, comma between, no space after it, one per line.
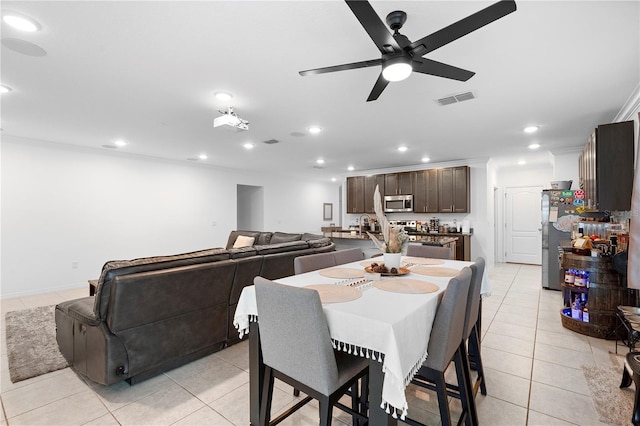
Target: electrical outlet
(214,223)
(74,265)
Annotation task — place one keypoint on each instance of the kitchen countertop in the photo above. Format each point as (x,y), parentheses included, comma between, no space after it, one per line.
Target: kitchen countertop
(440,238)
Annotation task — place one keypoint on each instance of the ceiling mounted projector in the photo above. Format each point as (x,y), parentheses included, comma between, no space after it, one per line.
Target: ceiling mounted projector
(231,121)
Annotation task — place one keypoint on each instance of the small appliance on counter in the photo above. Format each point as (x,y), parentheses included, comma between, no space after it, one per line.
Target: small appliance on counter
(434,224)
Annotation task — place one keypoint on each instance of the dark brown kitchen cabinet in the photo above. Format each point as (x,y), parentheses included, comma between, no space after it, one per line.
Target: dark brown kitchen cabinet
(453,190)
(370,183)
(398,183)
(355,194)
(425,191)
(605,167)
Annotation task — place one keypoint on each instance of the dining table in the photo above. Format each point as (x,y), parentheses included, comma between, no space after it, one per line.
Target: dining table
(385,317)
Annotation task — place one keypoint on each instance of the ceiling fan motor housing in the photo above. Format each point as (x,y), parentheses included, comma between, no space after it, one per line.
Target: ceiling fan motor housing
(396,19)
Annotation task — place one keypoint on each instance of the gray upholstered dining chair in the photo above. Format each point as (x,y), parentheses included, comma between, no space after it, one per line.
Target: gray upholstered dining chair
(348,255)
(472,331)
(296,348)
(433,252)
(313,262)
(444,348)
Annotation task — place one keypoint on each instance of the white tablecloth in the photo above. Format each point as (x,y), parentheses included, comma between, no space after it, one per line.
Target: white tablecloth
(392,327)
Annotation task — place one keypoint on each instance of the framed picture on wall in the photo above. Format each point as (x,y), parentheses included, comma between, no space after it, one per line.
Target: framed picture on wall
(327,211)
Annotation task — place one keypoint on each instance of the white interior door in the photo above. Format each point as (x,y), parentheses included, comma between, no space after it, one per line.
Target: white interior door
(523,233)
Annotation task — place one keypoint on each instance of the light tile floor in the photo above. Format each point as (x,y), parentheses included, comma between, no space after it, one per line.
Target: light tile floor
(533,373)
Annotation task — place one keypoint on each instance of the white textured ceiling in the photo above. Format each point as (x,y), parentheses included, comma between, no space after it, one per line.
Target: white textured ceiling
(146,72)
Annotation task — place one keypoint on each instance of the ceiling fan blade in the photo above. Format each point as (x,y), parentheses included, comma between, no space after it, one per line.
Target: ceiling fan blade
(380,85)
(343,67)
(462,27)
(428,66)
(373,25)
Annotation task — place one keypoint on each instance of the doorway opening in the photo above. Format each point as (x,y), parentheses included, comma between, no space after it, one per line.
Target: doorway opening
(250,208)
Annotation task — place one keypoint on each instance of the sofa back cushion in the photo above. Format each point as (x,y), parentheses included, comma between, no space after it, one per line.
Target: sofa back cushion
(284,237)
(115,268)
(264,238)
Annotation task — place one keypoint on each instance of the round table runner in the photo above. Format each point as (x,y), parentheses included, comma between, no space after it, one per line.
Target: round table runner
(331,293)
(342,273)
(405,285)
(435,271)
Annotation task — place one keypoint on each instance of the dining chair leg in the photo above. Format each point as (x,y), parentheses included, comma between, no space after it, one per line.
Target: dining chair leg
(443,401)
(476,355)
(364,395)
(355,403)
(326,411)
(267,396)
(461,363)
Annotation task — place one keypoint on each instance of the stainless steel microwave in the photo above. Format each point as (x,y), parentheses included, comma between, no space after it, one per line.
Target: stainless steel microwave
(398,203)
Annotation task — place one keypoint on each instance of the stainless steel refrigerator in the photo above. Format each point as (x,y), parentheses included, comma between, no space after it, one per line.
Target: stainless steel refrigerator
(558,215)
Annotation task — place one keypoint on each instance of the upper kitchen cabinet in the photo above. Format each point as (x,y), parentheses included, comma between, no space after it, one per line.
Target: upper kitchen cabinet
(355,194)
(605,167)
(425,191)
(398,183)
(453,190)
(370,183)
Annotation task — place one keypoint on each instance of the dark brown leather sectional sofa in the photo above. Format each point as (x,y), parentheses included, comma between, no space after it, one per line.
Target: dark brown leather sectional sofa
(153,314)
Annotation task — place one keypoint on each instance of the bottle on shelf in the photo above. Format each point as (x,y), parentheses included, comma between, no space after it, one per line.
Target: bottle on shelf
(576,308)
(579,279)
(585,312)
(569,276)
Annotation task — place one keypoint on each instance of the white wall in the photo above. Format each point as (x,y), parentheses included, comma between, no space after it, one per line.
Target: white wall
(67,210)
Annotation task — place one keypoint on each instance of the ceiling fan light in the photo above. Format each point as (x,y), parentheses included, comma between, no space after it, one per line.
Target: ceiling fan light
(397,69)
(21,22)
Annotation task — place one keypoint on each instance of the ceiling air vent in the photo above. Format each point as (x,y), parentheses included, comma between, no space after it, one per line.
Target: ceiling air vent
(271,141)
(460,97)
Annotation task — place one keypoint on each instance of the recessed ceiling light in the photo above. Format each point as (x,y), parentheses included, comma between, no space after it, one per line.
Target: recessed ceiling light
(203,156)
(521,163)
(425,159)
(5,89)
(120,143)
(248,145)
(333,179)
(21,22)
(534,146)
(314,130)
(223,96)
(402,148)
(320,161)
(351,168)
(531,129)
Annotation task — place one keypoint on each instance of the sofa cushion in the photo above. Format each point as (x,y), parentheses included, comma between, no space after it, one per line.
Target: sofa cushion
(263,239)
(243,241)
(284,237)
(233,235)
(282,247)
(241,252)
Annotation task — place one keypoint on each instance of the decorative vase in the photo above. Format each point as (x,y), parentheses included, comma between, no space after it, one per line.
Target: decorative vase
(392,260)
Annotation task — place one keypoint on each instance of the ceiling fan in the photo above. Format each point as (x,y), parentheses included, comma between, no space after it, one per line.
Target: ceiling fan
(400,57)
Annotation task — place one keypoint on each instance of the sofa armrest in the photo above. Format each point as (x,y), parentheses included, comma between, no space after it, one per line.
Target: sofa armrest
(81,310)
